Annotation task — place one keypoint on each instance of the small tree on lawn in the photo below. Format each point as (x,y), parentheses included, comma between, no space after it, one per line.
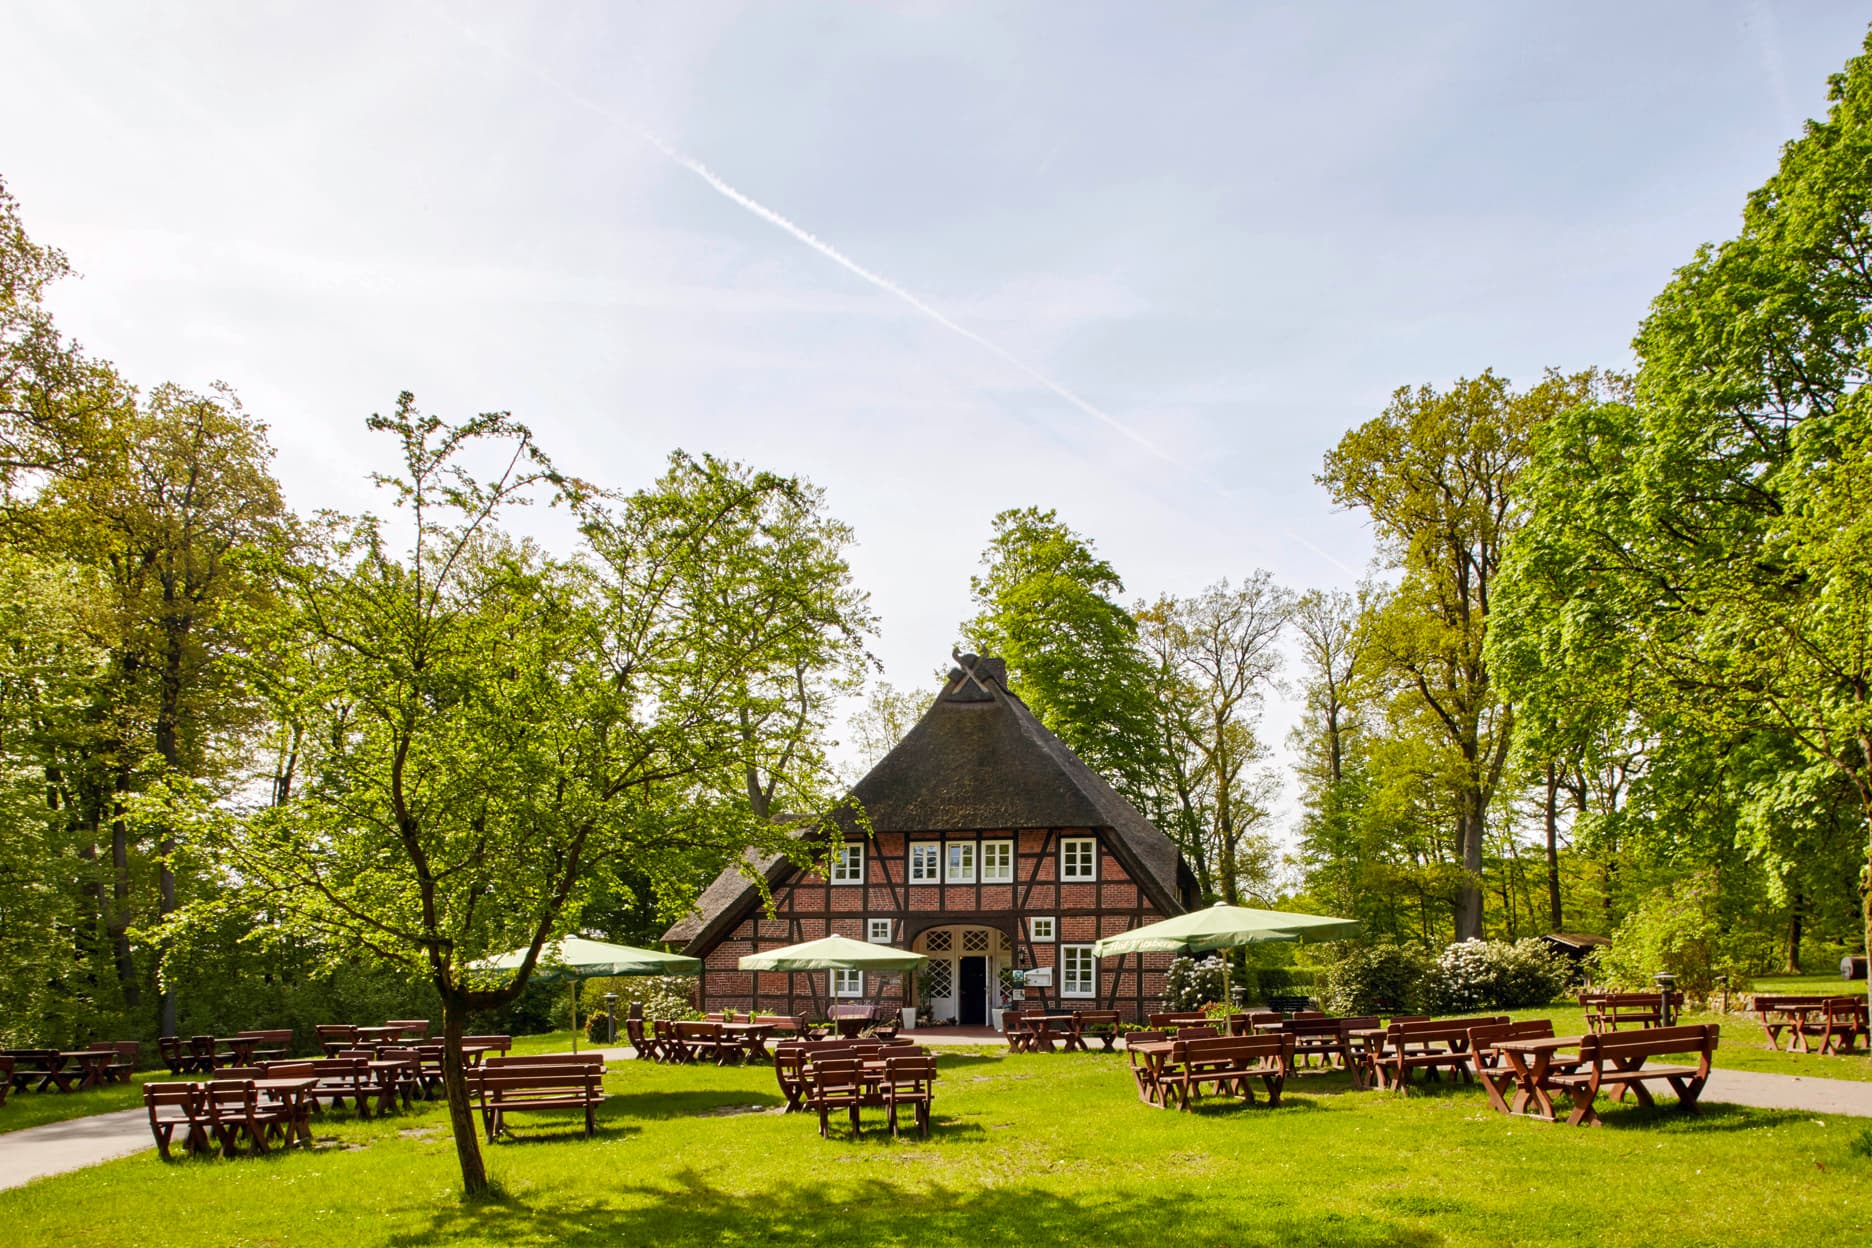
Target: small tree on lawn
(479,738)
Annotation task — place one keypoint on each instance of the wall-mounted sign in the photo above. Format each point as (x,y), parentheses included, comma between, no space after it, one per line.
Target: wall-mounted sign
(1039,977)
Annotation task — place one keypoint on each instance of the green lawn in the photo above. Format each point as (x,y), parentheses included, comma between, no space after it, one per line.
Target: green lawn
(1047,1149)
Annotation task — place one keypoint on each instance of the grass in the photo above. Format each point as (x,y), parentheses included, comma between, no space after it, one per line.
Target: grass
(1027,1149)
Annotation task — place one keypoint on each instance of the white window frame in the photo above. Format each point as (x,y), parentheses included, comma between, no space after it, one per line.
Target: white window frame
(1069,986)
(1042,935)
(1067,845)
(847,983)
(950,874)
(997,849)
(928,871)
(879,931)
(847,866)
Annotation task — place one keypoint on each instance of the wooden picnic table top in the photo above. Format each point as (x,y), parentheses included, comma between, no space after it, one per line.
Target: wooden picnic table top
(1539,1044)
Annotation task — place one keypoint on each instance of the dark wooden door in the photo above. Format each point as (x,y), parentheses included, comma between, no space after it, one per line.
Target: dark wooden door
(972,992)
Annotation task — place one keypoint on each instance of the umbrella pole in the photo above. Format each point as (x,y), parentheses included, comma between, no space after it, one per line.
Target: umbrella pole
(575,1016)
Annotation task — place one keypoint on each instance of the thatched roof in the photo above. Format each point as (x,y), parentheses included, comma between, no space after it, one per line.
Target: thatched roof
(978,760)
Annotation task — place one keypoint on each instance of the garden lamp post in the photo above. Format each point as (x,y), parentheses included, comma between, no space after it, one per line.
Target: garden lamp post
(1665,981)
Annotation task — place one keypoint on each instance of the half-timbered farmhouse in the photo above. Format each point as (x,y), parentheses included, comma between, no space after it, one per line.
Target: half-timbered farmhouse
(992,849)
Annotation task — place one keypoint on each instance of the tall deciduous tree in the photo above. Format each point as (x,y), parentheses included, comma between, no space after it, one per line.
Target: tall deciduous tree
(1436,472)
(1716,528)
(1214,657)
(1048,605)
(494,738)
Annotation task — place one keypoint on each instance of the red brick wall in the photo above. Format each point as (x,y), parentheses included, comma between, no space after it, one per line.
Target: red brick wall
(1083,911)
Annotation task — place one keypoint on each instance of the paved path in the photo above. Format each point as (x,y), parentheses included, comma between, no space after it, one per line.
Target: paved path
(1766,1091)
(78,1142)
(34,1152)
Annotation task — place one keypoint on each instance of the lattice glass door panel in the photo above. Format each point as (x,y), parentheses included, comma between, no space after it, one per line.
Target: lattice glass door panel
(939,980)
(937,941)
(976,940)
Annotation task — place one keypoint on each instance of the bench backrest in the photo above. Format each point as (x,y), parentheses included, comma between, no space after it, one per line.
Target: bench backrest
(834,1072)
(1311,1026)
(1234,1049)
(1651,1042)
(1766,1001)
(1177,1018)
(503,1043)
(1097,1018)
(1435,1029)
(544,1060)
(1486,1036)
(289,1070)
(272,1035)
(415,1027)
(159,1095)
(912,1072)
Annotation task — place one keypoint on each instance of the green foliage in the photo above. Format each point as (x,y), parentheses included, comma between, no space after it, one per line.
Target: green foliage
(1376,979)
(1047,605)
(1496,974)
(1438,473)
(1679,929)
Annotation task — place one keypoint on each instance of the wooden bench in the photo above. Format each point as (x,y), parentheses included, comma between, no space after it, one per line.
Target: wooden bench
(909,1080)
(1229,1063)
(1431,1045)
(507,1085)
(1617,1060)
(277,1042)
(1101,1025)
(1328,1038)
(335,1036)
(1842,1021)
(176,1107)
(1608,1011)
(1142,1072)
(1496,1076)
(236,1113)
(1836,1021)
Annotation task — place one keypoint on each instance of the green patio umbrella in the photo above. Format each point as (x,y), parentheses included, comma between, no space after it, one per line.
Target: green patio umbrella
(573,958)
(834,953)
(1223,926)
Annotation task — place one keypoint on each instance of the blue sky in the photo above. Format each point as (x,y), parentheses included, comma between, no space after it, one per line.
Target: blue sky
(1230,229)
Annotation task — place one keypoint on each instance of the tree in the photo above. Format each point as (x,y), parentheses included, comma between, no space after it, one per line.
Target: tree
(493,738)
(887,716)
(1213,657)
(1715,527)
(773,579)
(1045,603)
(1436,472)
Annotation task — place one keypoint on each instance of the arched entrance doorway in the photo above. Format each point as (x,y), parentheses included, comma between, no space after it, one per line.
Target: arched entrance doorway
(961,982)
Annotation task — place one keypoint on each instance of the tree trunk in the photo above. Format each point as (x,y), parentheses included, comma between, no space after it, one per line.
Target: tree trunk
(117,922)
(1469,893)
(1792,965)
(1553,849)
(461,1114)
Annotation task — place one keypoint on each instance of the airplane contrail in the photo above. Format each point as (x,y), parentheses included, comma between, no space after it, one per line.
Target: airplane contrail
(799,233)
(734,195)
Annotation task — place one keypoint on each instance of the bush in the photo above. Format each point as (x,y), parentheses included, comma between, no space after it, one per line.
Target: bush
(1190,984)
(1376,979)
(598,1028)
(1678,929)
(1494,974)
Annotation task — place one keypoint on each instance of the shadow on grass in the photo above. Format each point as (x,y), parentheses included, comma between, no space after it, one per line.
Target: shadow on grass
(664,1103)
(689,1209)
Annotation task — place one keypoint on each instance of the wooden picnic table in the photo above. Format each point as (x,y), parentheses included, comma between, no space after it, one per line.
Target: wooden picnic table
(378,1035)
(296,1095)
(1156,1055)
(752,1037)
(67,1070)
(1531,1062)
(1044,1029)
